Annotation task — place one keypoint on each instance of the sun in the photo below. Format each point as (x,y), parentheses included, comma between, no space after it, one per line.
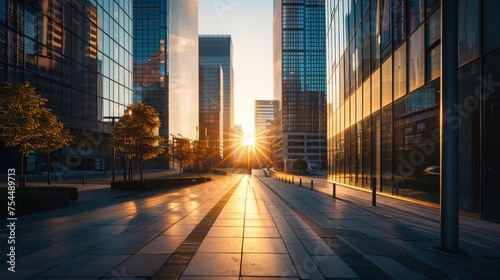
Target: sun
(249,140)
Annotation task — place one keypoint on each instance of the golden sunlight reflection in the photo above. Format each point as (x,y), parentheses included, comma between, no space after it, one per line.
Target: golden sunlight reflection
(130,208)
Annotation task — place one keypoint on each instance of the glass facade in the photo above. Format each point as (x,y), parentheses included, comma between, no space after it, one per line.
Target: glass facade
(77,54)
(211,106)
(390,51)
(300,79)
(265,111)
(183,95)
(166,62)
(217,50)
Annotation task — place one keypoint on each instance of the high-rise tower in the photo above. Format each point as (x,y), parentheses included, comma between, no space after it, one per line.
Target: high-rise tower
(300,79)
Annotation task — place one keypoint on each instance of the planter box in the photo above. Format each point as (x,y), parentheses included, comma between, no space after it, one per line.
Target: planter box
(143,185)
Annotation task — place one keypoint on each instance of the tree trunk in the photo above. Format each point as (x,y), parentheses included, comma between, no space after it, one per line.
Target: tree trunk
(180,170)
(48,166)
(21,175)
(142,166)
(131,169)
(124,169)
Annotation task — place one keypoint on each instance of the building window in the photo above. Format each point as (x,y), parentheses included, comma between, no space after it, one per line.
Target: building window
(387,82)
(416,59)
(400,72)
(376,90)
(468,31)
(491,22)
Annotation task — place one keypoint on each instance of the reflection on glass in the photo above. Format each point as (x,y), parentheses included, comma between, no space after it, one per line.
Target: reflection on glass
(416,59)
(400,72)
(468,31)
(387,82)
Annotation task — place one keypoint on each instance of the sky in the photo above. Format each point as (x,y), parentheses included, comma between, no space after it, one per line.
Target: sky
(249,22)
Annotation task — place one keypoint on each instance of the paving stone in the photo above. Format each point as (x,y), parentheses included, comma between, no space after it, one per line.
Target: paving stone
(214,264)
(221,245)
(263,245)
(262,232)
(269,265)
(334,267)
(139,266)
(169,271)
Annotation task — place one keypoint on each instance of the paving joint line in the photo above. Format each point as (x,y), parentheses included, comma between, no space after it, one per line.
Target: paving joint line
(366,271)
(175,265)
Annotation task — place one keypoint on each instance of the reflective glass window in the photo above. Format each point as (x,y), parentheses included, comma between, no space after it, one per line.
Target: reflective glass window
(416,13)
(387,82)
(416,59)
(468,31)
(366,98)
(491,22)
(400,71)
(376,90)
(399,18)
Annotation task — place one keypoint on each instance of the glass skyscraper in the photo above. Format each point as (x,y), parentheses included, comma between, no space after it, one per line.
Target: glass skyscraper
(77,54)
(265,111)
(166,62)
(211,106)
(300,80)
(217,50)
(384,94)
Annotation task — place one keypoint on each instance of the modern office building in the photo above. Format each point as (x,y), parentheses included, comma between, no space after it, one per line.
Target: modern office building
(77,54)
(166,63)
(300,80)
(384,70)
(264,117)
(211,106)
(217,50)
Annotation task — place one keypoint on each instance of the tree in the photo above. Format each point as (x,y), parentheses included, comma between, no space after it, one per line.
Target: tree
(26,123)
(53,137)
(136,133)
(202,153)
(181,152)
(300,165)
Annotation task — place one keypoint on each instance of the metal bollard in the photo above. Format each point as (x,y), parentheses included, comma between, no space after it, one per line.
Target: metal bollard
(312,184)
(334,195)
(289,181)
(25,181)
(374,191)
(300,184)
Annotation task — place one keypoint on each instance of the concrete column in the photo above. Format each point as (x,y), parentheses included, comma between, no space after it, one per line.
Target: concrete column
(449,131)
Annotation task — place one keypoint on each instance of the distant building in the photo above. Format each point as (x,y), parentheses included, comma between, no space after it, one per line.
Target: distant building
(217,50)
(300,80)
(264,117)
(77,54)
(239,155)
(166,63)
(211,122)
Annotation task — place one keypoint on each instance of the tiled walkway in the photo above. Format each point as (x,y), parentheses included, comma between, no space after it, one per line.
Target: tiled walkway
(240,227)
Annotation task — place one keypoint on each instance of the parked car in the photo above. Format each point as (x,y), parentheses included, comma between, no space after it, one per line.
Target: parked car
(431,174)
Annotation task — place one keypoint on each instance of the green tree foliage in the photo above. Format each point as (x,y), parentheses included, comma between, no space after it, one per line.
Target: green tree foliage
(300,165)
(136,133)
(26,123)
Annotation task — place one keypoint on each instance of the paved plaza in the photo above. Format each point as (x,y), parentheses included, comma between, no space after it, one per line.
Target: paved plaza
(246,227)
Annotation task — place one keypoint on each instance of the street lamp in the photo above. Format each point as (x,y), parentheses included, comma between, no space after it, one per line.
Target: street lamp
(114,149)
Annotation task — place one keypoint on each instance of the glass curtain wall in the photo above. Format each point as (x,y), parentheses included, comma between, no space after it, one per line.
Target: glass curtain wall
(384,123)
(77,54)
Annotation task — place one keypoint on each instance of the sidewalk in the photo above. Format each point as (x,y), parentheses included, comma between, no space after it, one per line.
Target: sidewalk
(395,236)
(240,227)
